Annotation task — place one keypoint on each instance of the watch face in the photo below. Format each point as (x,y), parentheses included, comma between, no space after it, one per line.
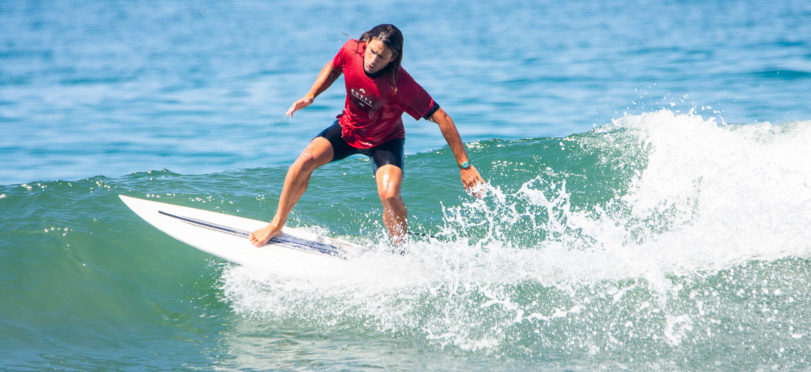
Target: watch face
(466,165)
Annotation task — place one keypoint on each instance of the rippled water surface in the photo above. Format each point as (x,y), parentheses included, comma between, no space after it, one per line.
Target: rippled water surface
(648,202)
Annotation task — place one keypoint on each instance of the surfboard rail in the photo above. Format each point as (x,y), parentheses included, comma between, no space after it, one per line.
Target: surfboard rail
(227,236)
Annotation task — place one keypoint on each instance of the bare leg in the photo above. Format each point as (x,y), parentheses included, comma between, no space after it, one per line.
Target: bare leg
(316,154)
(395,216)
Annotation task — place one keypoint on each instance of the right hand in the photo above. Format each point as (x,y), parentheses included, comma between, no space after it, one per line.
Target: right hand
(300,104)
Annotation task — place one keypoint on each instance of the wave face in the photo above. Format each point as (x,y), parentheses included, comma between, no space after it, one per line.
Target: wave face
(660,241)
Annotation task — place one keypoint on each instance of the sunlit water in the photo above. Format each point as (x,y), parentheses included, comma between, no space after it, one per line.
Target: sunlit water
(648,202)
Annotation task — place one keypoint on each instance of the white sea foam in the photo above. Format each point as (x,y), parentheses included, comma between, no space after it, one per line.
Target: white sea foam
(708,197)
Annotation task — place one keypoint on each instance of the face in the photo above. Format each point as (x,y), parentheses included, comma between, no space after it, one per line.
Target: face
(377,56)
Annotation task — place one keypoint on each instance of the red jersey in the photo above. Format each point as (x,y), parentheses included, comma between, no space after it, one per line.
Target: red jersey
(373,111)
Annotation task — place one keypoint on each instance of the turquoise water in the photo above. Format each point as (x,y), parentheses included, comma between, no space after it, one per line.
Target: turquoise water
(648,205)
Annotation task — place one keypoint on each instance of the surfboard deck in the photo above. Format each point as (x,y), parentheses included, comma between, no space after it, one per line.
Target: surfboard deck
(227,237)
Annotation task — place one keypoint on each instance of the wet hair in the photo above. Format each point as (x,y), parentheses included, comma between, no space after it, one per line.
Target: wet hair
(390,36)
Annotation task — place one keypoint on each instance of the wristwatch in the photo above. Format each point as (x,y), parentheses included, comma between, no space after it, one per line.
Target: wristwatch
(465,165)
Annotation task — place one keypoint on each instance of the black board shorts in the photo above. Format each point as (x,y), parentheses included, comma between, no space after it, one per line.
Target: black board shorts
(390,152)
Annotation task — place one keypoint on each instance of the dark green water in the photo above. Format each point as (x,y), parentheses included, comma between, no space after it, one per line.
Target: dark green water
(661,241)
(658,241)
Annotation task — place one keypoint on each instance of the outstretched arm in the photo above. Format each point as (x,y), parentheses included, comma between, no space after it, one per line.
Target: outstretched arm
(470,177)
(325,78)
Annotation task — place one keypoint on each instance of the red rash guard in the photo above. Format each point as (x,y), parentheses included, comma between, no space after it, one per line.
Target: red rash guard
(373,112)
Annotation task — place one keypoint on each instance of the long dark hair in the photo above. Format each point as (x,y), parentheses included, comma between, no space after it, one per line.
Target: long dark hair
(390,36)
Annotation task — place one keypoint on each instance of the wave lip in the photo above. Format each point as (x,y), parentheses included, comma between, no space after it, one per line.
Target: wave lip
(703,242)
(666,236)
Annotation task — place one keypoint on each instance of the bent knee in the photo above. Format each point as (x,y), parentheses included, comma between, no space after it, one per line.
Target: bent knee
(308,160)
(389,195)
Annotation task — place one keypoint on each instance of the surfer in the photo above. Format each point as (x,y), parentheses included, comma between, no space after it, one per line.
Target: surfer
(378,91)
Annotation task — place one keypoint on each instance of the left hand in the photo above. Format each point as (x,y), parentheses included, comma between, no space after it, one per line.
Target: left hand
(470,178)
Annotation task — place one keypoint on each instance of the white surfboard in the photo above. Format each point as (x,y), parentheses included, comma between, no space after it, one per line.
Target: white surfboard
(227,237)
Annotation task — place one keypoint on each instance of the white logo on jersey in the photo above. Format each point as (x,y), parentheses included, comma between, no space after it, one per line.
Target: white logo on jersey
(362,100)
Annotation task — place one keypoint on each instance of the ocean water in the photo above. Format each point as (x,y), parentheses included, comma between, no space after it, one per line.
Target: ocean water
(648,201)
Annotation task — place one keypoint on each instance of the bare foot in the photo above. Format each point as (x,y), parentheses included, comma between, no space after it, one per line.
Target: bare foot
(262,236)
